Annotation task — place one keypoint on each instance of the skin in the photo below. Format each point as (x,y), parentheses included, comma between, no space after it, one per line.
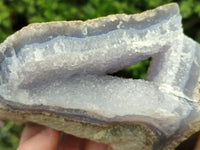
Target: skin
(39,137)
(197,147)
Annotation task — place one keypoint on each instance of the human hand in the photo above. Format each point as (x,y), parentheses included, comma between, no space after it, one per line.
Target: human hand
(35,137)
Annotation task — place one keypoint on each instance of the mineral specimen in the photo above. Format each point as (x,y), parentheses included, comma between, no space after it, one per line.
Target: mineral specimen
(56,74)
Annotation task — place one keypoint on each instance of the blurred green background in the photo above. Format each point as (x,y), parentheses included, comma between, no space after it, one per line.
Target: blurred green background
(14,14)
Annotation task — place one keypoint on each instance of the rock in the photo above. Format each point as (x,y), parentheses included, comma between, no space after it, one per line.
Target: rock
(56,74)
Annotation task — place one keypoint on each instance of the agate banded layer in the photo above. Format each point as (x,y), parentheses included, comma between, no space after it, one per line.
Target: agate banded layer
(57,73)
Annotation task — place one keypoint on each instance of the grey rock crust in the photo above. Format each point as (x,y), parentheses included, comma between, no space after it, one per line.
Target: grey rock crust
(55,74)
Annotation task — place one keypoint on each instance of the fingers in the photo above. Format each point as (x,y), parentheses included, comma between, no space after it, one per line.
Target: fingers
(96,146)
(69,142)
(39,138)
(42,138)
(197,147)
(29,131)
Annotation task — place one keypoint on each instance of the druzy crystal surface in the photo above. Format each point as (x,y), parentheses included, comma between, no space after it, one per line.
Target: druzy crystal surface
(67,65)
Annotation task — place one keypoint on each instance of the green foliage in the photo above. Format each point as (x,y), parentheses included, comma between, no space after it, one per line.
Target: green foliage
(14,14)
(137,71)
(9,135)
(5,24)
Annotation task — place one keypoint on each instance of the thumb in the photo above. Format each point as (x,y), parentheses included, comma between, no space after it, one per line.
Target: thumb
(47,139)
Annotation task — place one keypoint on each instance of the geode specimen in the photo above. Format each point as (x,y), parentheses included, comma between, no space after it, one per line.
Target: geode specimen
(57,74)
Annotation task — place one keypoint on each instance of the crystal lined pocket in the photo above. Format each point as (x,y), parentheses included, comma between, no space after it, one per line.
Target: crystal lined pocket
(56,74)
